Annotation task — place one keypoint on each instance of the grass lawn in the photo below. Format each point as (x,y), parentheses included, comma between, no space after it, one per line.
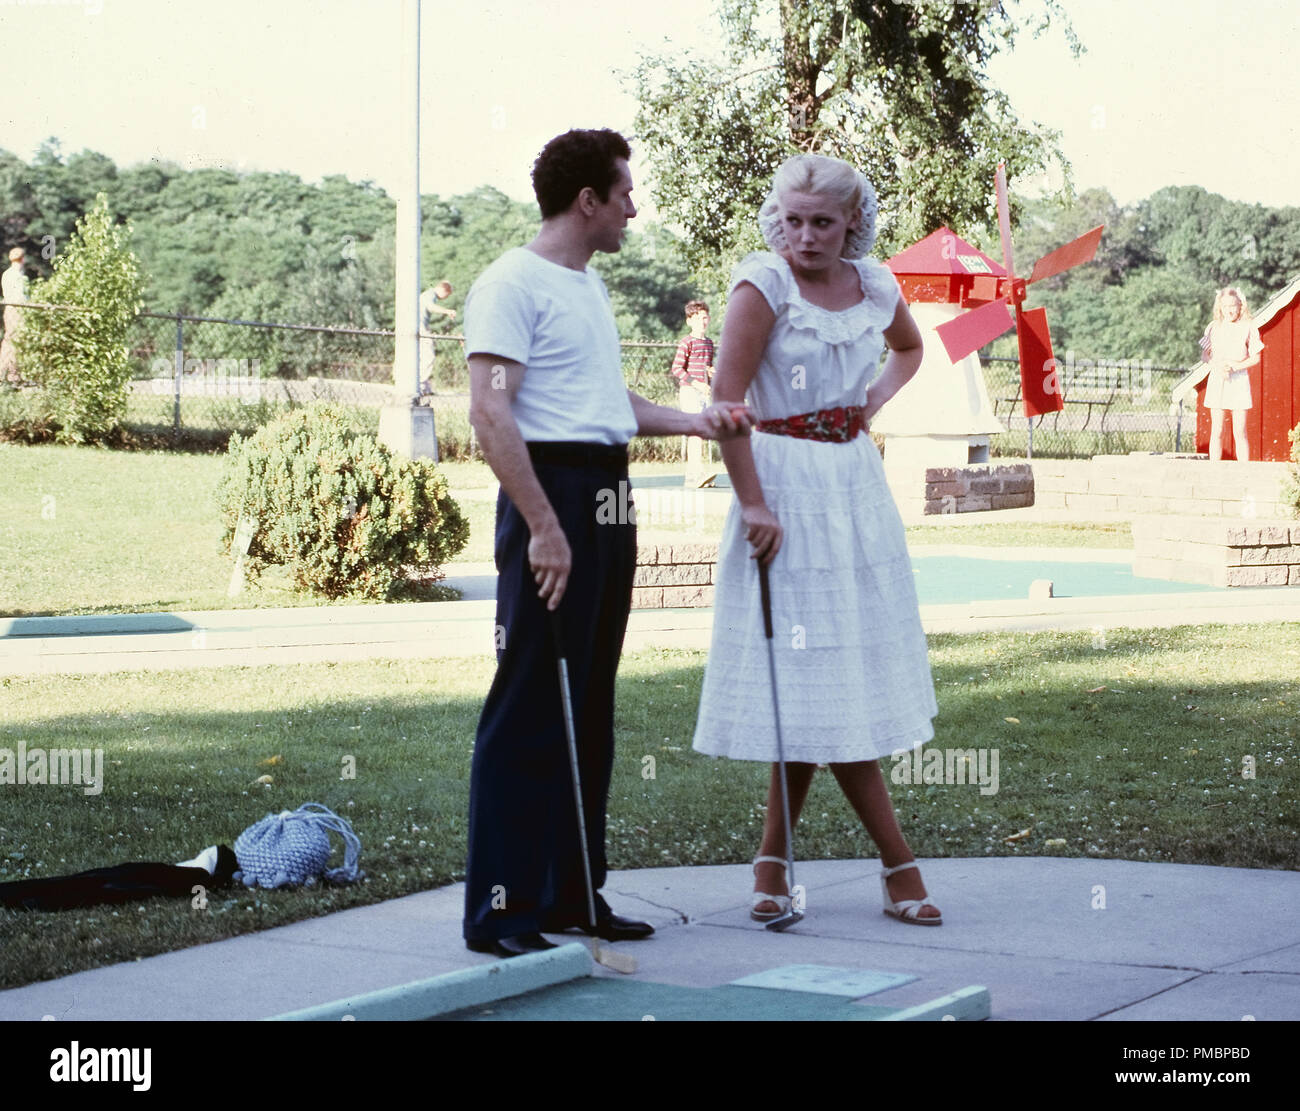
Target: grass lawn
(92,531)
(1129,748)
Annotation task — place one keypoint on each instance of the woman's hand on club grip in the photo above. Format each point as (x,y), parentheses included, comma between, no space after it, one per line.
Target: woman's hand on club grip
(763,531)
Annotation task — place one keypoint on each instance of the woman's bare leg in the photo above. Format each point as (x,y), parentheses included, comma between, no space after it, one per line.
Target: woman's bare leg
(771,877)
(864,786)
(1216,434)
(1239,442)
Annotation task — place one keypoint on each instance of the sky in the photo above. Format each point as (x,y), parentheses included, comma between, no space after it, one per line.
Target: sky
(1170,92)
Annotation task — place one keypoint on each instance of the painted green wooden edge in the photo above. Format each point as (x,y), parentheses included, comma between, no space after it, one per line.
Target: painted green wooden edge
(971,1004)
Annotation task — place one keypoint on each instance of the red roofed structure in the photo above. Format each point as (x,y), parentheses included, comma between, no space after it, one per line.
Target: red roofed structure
(944,269)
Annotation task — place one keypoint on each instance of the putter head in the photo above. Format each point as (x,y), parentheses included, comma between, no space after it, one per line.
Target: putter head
(785,921)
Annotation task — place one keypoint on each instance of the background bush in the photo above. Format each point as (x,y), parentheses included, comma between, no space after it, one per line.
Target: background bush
(1291,487)
(336,508)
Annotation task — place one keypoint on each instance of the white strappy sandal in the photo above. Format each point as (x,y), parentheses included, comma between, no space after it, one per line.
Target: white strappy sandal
(905,910)
(782,901)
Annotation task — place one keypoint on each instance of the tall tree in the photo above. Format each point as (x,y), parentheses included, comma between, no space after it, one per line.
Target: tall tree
(898,89)
(79,358)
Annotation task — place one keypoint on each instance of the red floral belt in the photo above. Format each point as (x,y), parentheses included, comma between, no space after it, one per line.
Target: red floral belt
(836,426)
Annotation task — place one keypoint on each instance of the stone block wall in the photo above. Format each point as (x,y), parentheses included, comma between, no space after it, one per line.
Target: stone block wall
(1217,552)
(673,574)
(1142,483)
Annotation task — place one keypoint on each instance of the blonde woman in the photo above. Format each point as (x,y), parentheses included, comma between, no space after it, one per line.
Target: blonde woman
(1233,348)
(805,327)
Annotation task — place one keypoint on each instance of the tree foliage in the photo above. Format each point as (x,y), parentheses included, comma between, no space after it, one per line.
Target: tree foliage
(900,90)
(1150,291)
(270,247)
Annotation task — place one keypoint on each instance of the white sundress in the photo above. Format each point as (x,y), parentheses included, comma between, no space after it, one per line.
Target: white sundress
(852,668)
(1231,341)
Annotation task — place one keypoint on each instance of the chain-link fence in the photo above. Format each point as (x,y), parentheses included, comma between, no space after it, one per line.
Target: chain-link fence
(1111,408)
(199,377)
(201,373)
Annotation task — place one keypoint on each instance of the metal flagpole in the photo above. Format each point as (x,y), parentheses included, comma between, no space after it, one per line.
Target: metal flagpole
(406,425)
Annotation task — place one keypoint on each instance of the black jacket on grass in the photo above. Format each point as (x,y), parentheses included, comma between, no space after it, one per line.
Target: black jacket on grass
(121,883)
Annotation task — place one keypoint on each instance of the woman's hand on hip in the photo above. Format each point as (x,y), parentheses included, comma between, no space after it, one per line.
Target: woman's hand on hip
(763,531)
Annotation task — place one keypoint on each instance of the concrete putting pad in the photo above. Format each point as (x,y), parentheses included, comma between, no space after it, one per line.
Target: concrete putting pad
(818,979)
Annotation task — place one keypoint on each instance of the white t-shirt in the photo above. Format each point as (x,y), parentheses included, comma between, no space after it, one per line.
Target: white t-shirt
(557,322)
(13,284)
(428,299)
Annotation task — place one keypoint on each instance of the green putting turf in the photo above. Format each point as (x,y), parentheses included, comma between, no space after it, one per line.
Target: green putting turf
(943,580)
(557,985)
(633,1001)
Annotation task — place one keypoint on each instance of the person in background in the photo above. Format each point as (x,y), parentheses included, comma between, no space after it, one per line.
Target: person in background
(1232,345)
(429,308)
(693,369)
(13,287)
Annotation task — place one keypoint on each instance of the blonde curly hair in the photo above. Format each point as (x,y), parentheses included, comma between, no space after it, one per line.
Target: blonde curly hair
(823,177)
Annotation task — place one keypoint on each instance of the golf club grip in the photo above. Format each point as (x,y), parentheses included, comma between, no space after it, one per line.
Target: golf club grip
(765,594)
(557,632)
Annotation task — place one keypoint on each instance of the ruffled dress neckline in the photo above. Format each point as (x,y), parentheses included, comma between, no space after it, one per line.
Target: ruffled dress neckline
(836,326)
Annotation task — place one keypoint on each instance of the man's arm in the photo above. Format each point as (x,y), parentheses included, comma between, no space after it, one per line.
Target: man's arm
(717,422)
(493,383)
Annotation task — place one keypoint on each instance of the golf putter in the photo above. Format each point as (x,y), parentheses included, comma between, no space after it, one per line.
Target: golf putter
(792,915)
(601,954)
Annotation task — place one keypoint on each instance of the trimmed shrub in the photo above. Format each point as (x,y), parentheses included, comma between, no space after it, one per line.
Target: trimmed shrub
(336,508)
(1291,487)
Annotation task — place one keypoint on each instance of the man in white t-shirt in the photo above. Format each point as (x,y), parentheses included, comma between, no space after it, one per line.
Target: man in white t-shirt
(553,416)
(429,308)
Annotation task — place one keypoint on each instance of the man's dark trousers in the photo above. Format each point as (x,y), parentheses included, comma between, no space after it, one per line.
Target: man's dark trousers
(525,867)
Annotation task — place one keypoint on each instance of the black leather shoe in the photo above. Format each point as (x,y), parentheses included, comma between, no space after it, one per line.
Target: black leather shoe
(516,946)
(617,928)
(612,927)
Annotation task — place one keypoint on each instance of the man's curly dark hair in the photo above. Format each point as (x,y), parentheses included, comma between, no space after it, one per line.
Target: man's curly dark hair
(571,162)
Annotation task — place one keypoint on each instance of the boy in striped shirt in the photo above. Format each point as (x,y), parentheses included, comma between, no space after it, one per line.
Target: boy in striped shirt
(693,369)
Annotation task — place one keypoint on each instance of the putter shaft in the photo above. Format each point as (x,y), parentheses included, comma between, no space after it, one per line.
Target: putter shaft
(765,594)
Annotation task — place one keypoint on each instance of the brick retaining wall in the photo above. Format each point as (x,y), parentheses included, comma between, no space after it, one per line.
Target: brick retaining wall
(1143,483)
(1217,552)
(673,574)
(963,489)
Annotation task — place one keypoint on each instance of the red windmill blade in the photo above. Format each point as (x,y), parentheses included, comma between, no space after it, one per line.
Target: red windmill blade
(1039,384)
